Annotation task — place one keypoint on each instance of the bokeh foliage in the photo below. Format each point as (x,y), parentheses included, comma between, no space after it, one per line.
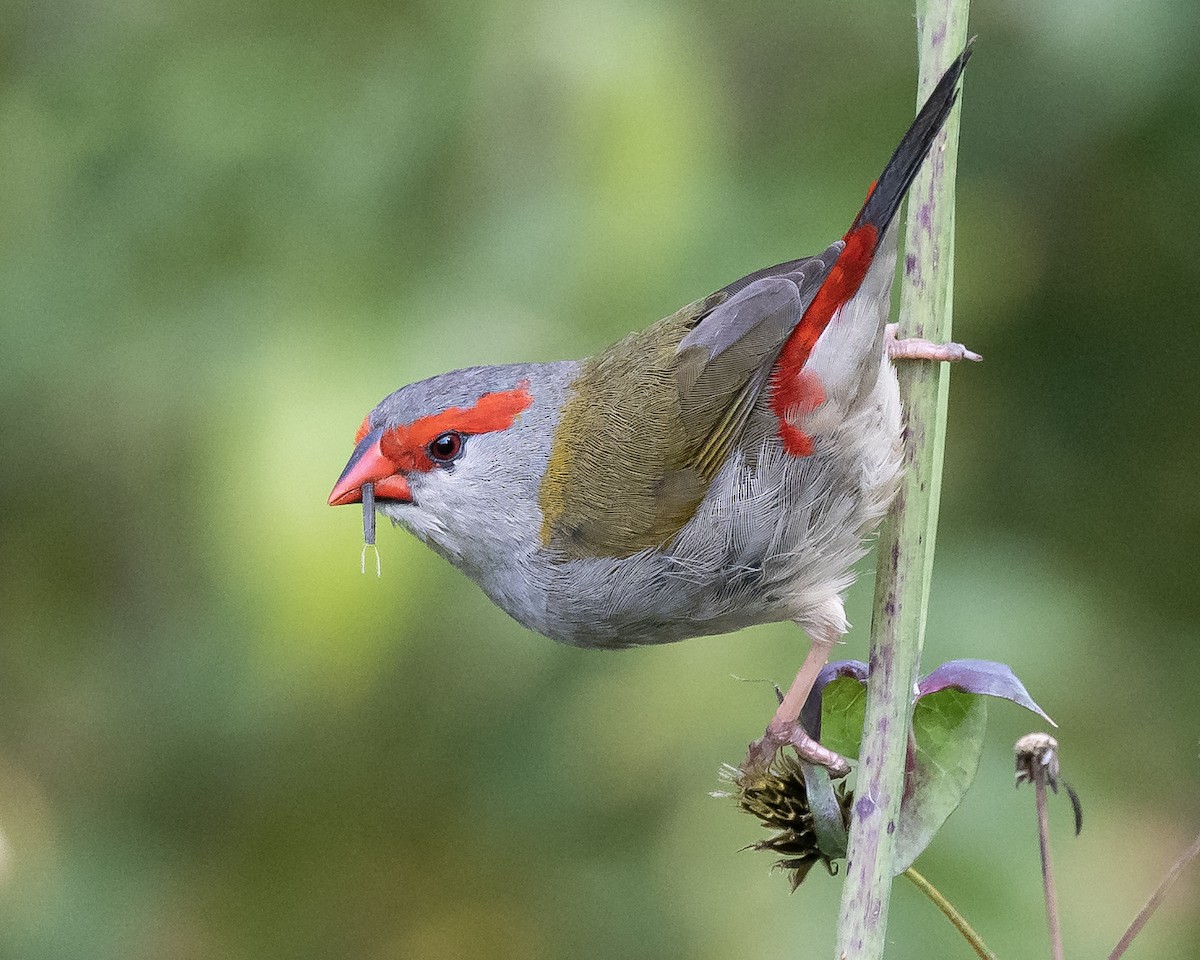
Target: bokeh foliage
(229,228)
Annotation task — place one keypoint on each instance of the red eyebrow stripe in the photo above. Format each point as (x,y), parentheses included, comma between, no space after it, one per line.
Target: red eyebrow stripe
(405,445)
(363,429)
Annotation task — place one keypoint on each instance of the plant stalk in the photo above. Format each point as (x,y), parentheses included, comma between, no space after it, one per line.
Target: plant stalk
(947,908)
(906,542)
(1048,888)
(1156,898)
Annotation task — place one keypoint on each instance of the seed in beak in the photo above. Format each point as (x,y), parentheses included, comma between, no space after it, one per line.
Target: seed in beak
(368,504)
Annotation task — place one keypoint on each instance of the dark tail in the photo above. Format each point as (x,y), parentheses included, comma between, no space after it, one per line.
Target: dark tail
(888,192)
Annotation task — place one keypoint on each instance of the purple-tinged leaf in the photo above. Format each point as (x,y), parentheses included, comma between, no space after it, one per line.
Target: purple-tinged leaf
(838,718)
(949,717)
(980,676)
(810,716)
(947,741)
(843,668)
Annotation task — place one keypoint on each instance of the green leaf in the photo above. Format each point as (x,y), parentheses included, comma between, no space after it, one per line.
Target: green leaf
(843,707)
(948,730)
(826,808)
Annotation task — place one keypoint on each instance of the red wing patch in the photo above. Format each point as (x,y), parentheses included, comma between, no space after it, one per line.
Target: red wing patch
(808,394)
(795,391)
(406,445)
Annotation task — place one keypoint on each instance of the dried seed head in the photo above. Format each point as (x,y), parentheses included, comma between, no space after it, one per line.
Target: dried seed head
(1037,759)
(1037,763)
(778,797)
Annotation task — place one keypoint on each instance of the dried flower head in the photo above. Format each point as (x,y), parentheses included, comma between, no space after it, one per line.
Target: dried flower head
(778,797)
(1037,763)
(1037,758)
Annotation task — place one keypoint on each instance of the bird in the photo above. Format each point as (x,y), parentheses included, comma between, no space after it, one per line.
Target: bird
(722,468)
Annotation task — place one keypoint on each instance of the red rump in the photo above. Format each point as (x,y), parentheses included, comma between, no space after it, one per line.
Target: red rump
(405,445)
(795,391)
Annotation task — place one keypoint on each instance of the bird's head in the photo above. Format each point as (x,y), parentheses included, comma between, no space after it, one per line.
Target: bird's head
(458,458)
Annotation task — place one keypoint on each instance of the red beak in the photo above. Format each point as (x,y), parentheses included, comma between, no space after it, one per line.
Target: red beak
(369,465)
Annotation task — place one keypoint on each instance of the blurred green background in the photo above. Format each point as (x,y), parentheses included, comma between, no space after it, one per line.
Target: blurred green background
(230,228)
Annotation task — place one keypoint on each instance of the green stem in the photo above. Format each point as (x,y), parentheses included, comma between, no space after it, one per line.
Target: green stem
(906,541)
(947,908)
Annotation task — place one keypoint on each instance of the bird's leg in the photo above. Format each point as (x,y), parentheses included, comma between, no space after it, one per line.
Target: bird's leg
(914,348)
(785,728)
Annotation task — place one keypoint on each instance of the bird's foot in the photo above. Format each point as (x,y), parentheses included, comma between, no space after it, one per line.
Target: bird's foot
(914,348)
(784,733)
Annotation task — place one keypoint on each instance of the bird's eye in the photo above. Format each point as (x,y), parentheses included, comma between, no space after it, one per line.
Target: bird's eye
(445,447)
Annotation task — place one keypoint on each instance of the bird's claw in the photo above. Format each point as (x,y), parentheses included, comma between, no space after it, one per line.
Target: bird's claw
(916,348)
(780,734)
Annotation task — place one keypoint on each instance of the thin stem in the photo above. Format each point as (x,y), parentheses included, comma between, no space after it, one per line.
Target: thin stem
(947,908)
(1147,911)
(1043,818)
(906,541)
